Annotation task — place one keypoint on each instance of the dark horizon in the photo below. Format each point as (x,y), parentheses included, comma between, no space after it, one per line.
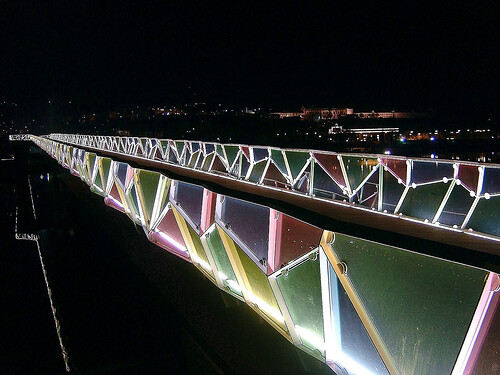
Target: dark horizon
(119,54)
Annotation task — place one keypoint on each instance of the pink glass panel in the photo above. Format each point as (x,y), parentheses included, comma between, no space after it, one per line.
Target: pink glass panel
(331,164)
(468,176)
(396,166)
(291,239)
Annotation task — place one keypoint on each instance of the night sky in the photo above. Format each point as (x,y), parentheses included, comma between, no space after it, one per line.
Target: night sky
(279,54)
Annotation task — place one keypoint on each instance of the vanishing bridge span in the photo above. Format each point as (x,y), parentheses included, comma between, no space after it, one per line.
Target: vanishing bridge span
(370,263)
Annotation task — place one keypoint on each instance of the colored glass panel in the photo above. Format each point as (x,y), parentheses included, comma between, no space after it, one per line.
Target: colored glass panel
(231,153)
(168,235)
(245,165)
(207,162)
(296,161)
(194,159)
(491,180)
(301,291)
(245,151)
(424,201)
(353,350)
(457,206)
(259,153)
(105,168)
(257,171)
(429,171)
(250,223)
(486,217)
(147,185)
(486,358)
(224,267)
(279,160)
(303,183)
(468,176)
(397,166)
(256,288)
(194,246)
(331,164)
(357,169)
(273,177)
(420,307)
(367,194)
(294,238)
(179,145)
(324,186)
(220,151)
(190,198)
(391,192)
(97,186)
(218,165)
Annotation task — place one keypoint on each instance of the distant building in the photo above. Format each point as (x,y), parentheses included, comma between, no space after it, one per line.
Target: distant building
(286,114)
(325,113)
(392,114)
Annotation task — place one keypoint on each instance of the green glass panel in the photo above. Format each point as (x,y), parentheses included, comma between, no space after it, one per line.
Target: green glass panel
(180,146)
(208,161)
(391,192)
(420,306)
(258,285)
(457,206)
(194,159)
(296,161)
(357,169)
(257,171)
(231,153)
(105,166)
(219,151)
(301,290)
(148,185)
(200,252)
(279,160)
(486,216)
(91,164)
(424,201)
(222,262)
(97,186)
(133,205)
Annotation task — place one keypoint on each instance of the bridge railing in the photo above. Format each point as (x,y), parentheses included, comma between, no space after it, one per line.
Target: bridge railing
(461,196)
(362,307)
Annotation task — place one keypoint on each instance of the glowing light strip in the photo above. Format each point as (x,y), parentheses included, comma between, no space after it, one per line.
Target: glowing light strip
(310,337)
(115,201)
(264,306)
(201,262)
(171,241)
(233,284)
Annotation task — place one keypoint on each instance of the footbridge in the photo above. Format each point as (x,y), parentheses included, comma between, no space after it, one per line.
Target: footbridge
(373,264)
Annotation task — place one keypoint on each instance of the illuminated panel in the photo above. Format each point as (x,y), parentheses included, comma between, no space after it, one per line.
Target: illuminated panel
(358,169)
(331,164)
(225,272)
(457,206)
(289,239)
(255,285)
(391,191)
(423,201)
(296,161)
(416,308)
(152,191)
(248,225)
(486,217)
(279,160)
(197,253)
(188,199)
(167,235)
(430,171)
(348,347)
(299,286)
